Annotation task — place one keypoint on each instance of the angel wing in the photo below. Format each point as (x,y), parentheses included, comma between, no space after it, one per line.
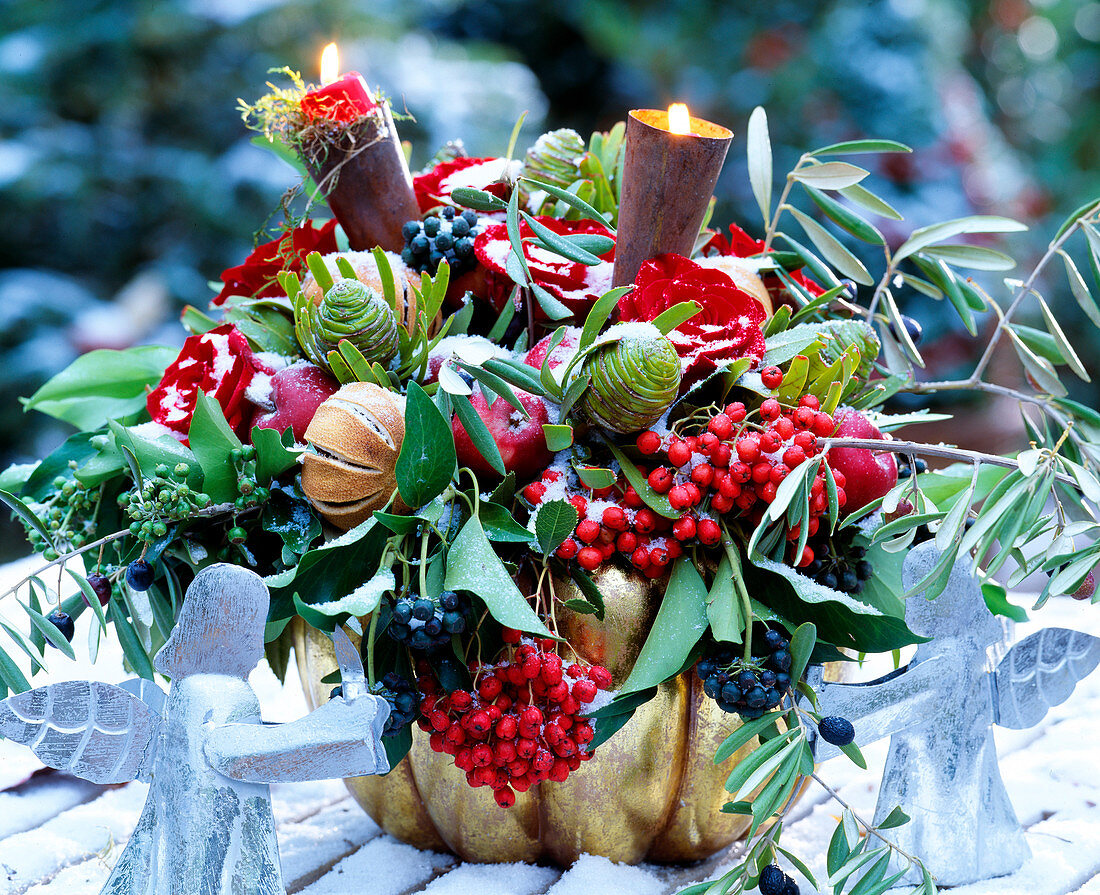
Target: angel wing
(90,729)
(1039,672)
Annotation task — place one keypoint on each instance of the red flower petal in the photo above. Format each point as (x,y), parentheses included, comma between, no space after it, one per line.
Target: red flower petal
(438,183)
(727,327)
(577,286)
(218,363)
(257,276)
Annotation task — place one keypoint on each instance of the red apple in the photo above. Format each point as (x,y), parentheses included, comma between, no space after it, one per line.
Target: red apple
(521,441)
(296,393)
(869,474)
(560,356)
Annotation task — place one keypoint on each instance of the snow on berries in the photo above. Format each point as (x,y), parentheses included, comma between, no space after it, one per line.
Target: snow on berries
(522,722)
(727,466)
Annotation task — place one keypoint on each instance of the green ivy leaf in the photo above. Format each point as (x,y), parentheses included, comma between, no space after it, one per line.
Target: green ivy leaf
(274,453)
(472,565)
(212,441)
(679,624)
(554,522)
(427,459)
(102,384)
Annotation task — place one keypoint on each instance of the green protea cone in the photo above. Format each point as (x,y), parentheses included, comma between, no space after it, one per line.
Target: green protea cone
(348,310)
(555,158)
(632,381)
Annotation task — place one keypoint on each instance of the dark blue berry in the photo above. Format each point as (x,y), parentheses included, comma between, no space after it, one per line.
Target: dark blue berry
(410,230)
(139,575)
(407,256)
(459,228)
(403,612)
(746,680)
(470,217)
(63,623)
(443,242)
(730,692)
(756,697)
(781,660)
(836,730)
(431,225)
(449,601)
(772,880)
(773,639)
(420,245)
(423,609)
(448,212)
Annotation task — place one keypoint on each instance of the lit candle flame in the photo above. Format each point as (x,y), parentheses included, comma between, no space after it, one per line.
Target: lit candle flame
(679,119)
(330,64)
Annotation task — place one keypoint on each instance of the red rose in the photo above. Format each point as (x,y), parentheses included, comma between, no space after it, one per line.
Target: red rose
(257,276)
(726,329)
(741,245)
(577,286)
(476,173)
(218,363)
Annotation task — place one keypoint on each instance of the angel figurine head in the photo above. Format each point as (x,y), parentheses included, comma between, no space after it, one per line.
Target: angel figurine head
(223,633)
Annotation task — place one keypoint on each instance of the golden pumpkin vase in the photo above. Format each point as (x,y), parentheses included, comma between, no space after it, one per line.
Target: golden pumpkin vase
(652,792)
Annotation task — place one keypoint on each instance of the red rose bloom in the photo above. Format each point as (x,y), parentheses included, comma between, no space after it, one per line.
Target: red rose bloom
(476,173)
(257,276)
(218,363)
(577,286)
(726,329)
(741,245)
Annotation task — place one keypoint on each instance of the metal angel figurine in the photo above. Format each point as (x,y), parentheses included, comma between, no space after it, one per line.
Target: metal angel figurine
(207,825)
(939,712)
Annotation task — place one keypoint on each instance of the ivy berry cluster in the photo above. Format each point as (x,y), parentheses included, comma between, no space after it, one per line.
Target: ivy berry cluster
(165,497)
(67,515)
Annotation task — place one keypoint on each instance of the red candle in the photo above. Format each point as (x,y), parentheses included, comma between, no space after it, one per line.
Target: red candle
(344,99)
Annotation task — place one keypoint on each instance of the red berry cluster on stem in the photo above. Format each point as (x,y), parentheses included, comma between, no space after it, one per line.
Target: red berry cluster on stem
(522,721)
(730,467)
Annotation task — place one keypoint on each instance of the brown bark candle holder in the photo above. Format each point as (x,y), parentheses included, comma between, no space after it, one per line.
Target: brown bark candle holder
(668,180)
(363,174)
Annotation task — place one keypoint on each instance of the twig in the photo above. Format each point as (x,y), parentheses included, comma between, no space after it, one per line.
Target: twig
(64,558)
(1024,290)
(868,827)
(940,450)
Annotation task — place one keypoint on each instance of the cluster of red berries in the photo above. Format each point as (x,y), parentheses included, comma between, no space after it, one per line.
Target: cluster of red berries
(616,519)
(522,721)
(732,467)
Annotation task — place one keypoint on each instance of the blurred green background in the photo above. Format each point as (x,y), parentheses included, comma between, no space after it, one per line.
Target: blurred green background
(128,181)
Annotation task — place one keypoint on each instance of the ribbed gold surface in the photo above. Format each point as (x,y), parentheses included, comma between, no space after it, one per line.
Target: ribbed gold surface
(651,792)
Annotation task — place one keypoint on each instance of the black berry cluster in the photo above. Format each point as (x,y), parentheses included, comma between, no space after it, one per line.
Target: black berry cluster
(839,563)
(424,623)
(747,688)
(404,700)
(773,881)
(447,236)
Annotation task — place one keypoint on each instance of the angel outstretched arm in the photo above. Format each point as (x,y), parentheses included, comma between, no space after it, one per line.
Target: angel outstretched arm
(90,729)
(339,739)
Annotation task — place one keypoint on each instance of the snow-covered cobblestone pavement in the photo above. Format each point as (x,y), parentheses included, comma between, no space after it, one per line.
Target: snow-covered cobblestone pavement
(61,836)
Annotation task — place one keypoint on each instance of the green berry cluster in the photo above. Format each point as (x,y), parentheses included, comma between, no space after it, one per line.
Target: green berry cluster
(250,493)
(68,514)
(165,497)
